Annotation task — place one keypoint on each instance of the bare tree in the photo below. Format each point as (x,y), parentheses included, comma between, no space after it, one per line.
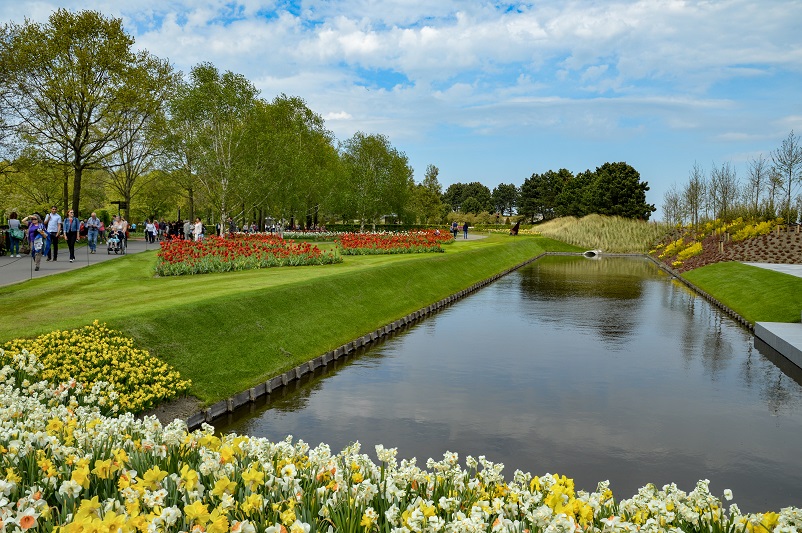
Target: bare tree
(787,162)
(756,183)
(673,208)
(693,195)
(723,191)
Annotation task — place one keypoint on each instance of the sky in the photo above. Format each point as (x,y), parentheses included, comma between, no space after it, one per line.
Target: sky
(495,91)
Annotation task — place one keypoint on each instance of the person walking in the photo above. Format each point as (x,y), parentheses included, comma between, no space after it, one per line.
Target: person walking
(150,232)
(197,229)
(53,226)
(71,226)
(465,230)
(454,229)
(15,235)
(92,230)
(39,239)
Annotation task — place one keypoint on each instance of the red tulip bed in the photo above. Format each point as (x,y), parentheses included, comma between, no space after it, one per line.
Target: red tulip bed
(392,243)
(243,252)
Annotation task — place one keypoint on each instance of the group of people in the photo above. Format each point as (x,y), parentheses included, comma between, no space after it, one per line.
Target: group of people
(455,229)
(45,232)
(159,230)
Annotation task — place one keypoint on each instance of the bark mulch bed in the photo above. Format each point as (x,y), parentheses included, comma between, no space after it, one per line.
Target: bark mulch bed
(784,248)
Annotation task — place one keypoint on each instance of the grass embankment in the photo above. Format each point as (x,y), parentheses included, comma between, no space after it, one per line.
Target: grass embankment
(609,234)
(227,332)
(757,294)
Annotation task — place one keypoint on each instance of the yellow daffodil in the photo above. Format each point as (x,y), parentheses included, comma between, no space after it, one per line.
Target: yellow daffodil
(197,512)
(223,486)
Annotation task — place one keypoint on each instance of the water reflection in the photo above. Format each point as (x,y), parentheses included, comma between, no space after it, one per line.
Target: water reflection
(595,369)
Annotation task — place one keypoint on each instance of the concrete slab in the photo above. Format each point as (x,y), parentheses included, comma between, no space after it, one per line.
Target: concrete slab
(793,270)
(784,337)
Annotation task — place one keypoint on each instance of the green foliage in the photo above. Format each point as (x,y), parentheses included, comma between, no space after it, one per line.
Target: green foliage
(458,193)
(73,83)
(613,189)
(379,177)
(538,196)
(505,198)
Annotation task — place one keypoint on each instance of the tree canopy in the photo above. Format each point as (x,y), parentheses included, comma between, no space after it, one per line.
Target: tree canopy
(70,87)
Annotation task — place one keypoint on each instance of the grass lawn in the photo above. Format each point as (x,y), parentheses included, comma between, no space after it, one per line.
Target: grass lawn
(757,294)
(227,332)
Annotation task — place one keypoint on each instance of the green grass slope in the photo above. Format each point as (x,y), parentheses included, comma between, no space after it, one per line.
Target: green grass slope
(757,294)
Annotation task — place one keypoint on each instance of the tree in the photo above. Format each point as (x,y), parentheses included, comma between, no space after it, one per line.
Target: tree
(616,190)
(454,195)
(292,160)
(673,209)
(573,198)
(723,191)
(221,106)
(505,198)
(457,193)
(471,205)
(379,177)
(71,85)
(756,184)
(539,192)
(428,205)
(129,168)
(787,162)
(693,195)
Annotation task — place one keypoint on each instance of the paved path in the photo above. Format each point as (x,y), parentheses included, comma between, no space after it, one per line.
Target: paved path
(794,270)
(17,269)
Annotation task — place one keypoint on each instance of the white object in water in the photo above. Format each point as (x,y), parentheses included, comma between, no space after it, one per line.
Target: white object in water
(592,253)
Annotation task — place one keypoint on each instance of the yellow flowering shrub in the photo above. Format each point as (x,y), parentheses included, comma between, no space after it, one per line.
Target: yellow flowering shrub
(95,354)
(749,232)
(691,251)
(672,248)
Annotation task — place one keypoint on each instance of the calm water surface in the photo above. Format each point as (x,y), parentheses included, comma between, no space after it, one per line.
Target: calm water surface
(596,369)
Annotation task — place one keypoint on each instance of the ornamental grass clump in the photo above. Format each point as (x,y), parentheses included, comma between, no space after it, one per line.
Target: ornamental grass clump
(96,354)
(239,252)
(610,234)
(393,243)
(67,467)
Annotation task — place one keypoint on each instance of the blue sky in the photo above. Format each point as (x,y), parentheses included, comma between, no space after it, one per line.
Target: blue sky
(495,91)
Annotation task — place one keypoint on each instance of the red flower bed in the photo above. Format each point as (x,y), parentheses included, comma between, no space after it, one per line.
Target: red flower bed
(242,252)
(393,243)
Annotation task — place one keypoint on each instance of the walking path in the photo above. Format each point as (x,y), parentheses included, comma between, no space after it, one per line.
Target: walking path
(17,269)
(793,270)
(784,337)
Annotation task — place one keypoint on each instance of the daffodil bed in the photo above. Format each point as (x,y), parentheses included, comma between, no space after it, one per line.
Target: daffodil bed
(96,354)
(65,465)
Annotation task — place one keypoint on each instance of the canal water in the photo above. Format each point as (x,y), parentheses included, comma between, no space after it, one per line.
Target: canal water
(596,369)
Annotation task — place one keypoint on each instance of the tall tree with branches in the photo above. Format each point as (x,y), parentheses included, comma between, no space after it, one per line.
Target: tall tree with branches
(71,84)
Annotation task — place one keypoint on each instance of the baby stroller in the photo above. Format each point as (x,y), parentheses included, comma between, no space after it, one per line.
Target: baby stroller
(115,243)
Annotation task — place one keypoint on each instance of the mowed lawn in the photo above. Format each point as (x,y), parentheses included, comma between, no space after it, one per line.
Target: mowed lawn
(757,294)
(228,332)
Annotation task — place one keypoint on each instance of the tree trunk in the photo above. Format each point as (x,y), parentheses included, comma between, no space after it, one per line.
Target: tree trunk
(128,207)
(191,203)
(66,190)
(76,190)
